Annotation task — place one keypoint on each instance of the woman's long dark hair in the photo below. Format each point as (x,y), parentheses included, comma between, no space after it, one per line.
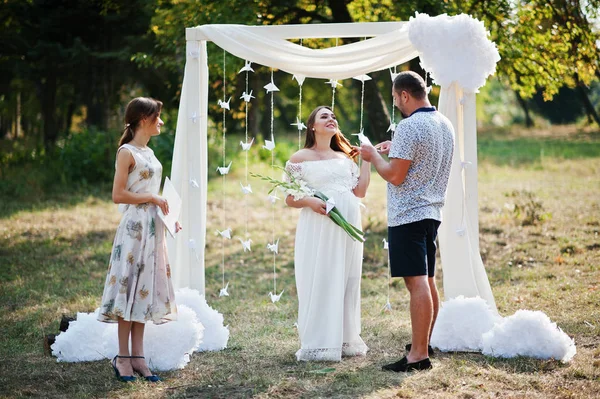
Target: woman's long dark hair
(138,109)
(338,142)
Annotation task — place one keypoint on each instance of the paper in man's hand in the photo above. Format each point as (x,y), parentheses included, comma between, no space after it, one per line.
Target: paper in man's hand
(174,201)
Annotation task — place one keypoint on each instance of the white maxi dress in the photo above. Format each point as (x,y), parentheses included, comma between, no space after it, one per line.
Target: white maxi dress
(328,265)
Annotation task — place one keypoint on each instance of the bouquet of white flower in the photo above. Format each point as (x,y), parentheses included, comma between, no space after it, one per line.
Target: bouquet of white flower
(298,189)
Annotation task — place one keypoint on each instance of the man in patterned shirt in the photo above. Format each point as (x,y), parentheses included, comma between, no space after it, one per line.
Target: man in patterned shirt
(420,156)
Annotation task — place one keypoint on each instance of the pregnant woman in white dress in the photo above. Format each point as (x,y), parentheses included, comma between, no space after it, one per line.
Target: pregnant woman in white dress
(327,261)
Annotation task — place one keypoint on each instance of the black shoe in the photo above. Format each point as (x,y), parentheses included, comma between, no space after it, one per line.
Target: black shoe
(149,378)
(430,351)
(403,366)
(122,378)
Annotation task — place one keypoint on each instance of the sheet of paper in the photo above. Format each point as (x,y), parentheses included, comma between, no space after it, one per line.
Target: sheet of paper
(174,201)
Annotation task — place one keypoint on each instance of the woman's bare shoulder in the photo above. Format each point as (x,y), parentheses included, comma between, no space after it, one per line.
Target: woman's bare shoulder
(301,156)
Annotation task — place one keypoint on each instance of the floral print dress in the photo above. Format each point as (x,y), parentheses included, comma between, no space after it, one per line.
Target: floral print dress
(138,283)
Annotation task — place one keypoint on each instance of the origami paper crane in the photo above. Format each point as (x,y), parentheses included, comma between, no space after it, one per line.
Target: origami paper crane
(392,127)
(223,291)
(362,138)
(299,124)
(275,298)
(362,78)
(223,170)
(246,189)
(428,89)
(393,75)
(247,96)
(269,145)
(194,117)
(192,246)
(271,87)
(194,183)
(385,244)
(247,67)
(225,233)
(333,83)
(299,78)
(224,104)
(246,146)
(246,244)
(272,198)
(274,247)
(387,307)
(194,53)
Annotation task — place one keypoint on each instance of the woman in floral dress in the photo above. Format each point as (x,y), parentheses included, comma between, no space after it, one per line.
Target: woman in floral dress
(138,284)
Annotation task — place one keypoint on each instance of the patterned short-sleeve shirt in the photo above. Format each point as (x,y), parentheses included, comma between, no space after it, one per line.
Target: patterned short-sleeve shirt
(427,139)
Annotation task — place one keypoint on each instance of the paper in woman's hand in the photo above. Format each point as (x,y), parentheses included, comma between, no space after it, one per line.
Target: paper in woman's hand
(174,200)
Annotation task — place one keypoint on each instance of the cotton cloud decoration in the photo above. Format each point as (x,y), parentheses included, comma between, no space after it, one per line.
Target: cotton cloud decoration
(454,49)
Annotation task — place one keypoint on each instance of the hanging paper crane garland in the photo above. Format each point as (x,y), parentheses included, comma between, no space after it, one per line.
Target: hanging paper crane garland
(273,247)
(223,170)
(272,198)
(246,244)
(246,189)
(246,146)
(224,104)
(247,67)
(271,87)
(247,96)
(362,138)
(362,78)
(225,233)
(223,291)
(275,298)
(299,78)
(269,145)
(299,124)
(333,83)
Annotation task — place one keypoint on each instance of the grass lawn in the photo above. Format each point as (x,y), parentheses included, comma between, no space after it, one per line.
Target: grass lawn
(539,197)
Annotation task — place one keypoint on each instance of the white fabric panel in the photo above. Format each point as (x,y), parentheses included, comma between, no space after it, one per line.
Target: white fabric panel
(464,273)
(340,62)
(470,169)
(190,161)
(314,31)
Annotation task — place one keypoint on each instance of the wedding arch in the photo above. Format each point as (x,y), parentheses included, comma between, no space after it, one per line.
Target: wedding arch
(454,50)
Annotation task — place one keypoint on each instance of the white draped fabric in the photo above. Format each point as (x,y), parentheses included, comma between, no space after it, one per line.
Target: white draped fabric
(464,273)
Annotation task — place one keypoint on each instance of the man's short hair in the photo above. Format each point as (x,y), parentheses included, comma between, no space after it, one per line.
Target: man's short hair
(412,83)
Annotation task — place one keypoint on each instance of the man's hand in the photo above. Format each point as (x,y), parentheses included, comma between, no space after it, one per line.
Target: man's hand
(368,152)
(384,147)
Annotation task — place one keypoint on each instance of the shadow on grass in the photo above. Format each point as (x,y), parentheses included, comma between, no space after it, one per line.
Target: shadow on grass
(60,196)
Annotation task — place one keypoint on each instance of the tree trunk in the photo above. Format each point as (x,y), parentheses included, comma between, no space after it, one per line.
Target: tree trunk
(48,109)
(589,107)
(18,131)
(525,107)
(376,109)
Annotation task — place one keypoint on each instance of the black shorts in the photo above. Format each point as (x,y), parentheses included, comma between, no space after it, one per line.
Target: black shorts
(412,248)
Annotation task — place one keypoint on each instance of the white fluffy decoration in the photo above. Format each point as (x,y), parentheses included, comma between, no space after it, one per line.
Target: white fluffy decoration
(82,341)
(216,335)
(174,342)
(461,323)
(454,49)
(528,333)
(167,346)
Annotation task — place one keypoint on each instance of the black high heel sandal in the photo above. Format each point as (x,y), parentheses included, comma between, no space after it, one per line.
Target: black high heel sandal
(122,378)
(149,378)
